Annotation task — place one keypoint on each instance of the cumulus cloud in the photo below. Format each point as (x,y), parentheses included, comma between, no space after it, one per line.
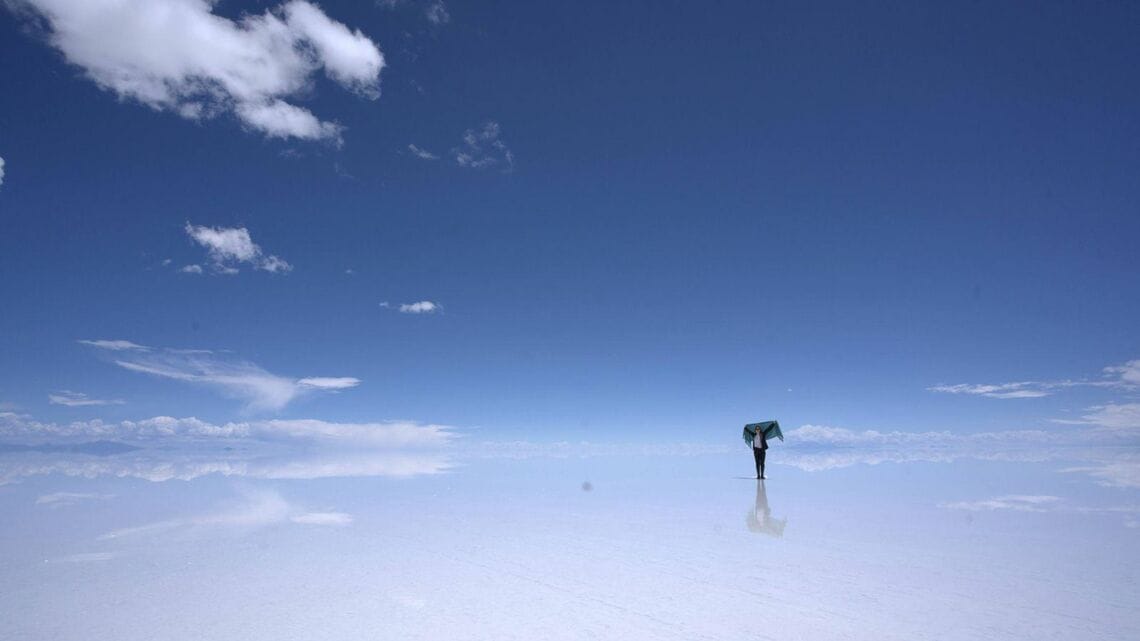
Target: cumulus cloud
(421,153)
(421,307)
(229,247)
(258,388)
(179,56)
(483,147)
(1126,374)
(79,399)
(191,269)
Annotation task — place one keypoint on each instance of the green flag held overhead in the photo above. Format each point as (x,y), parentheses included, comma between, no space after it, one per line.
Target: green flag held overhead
(769,428)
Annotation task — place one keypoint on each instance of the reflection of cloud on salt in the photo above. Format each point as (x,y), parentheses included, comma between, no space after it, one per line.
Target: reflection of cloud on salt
(18,431)
(1042,504)
(187,464)
(62,499)
(1120,471)
(1014,502)
(254,508)
(86,557)
(1110,456)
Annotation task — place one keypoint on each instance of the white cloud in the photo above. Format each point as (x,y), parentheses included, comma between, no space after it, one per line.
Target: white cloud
(1127,374)
(420,307)
(421,153)
(177,55)
(1125,377)
(1005,390)
(115,345)
(191,269)
(484,148)
(79,399)
(329,383)
(258,388)
(228,247)
(1,172)
(1113,416)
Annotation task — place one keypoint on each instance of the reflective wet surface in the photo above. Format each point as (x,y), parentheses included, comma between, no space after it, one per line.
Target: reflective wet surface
(212,543)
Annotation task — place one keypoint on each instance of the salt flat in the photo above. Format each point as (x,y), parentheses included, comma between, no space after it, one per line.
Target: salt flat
(620,546)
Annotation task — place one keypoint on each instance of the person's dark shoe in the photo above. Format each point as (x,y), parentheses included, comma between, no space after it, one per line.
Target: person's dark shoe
(763,478)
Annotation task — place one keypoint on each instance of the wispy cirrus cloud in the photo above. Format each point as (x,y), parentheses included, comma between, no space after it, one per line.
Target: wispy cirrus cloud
(421,153)
(258,388)
(180,56)
(1,172)
(1120,377)
(1112,416)
(1003,390)
(229,247)
(79,399)
(115,345)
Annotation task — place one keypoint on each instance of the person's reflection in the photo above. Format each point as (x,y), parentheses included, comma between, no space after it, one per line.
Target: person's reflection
(760,518)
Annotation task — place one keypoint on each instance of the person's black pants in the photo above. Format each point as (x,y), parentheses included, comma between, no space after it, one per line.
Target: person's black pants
(758,454)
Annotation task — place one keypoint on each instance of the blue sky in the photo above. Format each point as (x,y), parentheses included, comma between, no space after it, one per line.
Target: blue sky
(661,218)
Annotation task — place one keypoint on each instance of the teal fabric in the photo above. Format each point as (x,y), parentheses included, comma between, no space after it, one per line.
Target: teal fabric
(771,429)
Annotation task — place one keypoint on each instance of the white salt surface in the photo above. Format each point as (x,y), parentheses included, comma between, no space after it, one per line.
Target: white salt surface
(657,548)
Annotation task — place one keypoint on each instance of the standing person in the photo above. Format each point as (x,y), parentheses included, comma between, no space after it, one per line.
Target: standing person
(759,450)
(756,436)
